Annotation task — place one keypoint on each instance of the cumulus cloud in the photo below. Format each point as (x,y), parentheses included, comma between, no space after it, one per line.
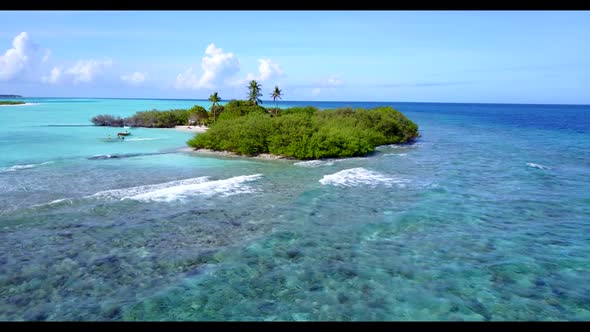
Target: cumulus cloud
(217,67)
(134,78)
(20,59)
(54,76)
(83,71)
(267,69)
(86,70)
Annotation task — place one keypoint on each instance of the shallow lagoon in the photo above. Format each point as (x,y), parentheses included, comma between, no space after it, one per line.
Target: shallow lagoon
(486,217)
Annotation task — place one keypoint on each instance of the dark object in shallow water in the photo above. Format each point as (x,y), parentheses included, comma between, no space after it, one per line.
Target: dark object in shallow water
(124,133)
(111,139)
(121,156)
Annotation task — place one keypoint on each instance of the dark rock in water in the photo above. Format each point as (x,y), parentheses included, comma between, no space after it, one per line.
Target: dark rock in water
(195,272)
(348,271)
(316,288)
(342,298)
(19,300)
(36,314)
(479,308)
(121,156)
(377,303)
(267,305)
(109,260)
(540,282)
(111,312)
(294,253)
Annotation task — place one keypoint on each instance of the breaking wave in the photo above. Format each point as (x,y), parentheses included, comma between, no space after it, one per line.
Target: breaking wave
(21,167)
(359,176)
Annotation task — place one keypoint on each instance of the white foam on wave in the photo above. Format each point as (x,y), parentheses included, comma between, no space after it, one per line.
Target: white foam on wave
(359,176)
(106,156)
(178,190)
(537,166)
(324,162)
(21,167)
(396,154)
(314,163)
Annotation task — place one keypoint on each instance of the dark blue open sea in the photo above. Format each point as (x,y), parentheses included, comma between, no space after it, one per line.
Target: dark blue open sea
(485,217)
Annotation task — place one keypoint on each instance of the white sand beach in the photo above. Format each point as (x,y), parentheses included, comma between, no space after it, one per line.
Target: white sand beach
(195,129)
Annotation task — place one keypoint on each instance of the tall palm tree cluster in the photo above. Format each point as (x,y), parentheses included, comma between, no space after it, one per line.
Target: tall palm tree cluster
(214,99)
(254,94)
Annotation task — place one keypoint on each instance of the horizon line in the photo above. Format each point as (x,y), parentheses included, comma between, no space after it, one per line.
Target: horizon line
(316,101)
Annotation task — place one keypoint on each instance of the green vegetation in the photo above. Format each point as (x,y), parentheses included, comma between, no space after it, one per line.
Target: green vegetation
(215,109)
(305,132)
(11,102)
(244,127)
(155,118)
(276,94)
(254,92)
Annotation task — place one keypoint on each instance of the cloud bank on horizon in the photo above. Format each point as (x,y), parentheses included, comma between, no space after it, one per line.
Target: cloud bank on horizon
(23,62)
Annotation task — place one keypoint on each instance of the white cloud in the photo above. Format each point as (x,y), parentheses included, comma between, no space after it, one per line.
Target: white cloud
(54,76)
(267,69)
(316,91)
(86,70)
(135,78)
(334,81)
(217,67)
(46,56)
(20,59)
(188,79)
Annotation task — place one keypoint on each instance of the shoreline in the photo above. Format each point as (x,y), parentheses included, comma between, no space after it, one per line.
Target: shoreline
(262,156)
(192,129)
(16,105)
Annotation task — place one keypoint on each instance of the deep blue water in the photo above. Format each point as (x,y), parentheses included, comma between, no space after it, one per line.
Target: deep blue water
(486,217)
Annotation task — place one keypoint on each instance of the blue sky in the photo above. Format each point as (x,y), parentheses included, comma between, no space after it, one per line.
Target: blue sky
(446,56)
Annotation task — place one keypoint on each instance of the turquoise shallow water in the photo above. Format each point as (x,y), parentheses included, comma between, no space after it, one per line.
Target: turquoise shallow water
(486,217)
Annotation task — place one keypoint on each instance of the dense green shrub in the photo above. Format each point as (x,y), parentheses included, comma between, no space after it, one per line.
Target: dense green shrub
(107,120)
(199,115)
(238,108)
(11,102)
(156,119)
(159,119)
(305,132)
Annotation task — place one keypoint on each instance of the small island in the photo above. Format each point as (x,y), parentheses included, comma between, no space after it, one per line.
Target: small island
(11,102)
(244,127)
(10,96)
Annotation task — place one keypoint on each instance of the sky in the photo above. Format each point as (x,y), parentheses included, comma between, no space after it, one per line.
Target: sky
(539,57)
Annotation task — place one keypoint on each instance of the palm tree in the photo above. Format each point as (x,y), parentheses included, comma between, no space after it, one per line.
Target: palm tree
(276,94)
(254,93)
(214,98)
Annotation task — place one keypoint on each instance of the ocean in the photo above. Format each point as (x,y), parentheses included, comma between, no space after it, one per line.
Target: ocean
(485,217)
